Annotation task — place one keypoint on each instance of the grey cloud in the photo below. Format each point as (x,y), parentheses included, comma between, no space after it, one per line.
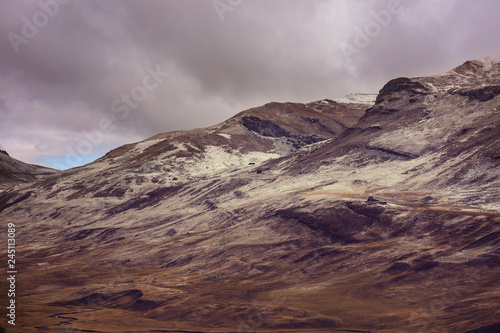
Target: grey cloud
(63,82)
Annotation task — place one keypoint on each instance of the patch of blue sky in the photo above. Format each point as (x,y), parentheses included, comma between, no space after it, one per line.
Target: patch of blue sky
(65,162)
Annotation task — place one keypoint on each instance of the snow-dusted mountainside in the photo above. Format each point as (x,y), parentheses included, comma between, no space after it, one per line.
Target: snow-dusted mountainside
(438,135)
(249,138)
(364,214)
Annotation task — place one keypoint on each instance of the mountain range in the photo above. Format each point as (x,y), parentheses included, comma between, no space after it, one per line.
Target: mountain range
(371,213)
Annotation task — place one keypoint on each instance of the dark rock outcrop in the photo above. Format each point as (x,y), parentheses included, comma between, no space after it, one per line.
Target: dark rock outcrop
(264,127)
(482,94)
(397,85)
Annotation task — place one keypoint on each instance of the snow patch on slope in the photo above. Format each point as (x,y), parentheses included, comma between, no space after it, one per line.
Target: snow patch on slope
(217,159)
(368,99)
(488,62)
(141,146)
(411,141)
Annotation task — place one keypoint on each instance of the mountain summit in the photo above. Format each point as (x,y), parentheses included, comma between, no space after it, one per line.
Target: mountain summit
(363,214)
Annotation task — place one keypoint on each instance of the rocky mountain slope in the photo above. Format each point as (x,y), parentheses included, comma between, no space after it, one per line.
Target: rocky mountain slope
(437,134)
(330,216)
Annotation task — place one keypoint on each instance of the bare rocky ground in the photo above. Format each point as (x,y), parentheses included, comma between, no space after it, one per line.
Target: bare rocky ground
(319,217)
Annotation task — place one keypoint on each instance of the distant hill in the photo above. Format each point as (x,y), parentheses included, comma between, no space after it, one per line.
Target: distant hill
(13,172)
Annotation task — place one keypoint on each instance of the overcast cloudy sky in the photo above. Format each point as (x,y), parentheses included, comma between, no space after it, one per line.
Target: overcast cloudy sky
(79,78)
